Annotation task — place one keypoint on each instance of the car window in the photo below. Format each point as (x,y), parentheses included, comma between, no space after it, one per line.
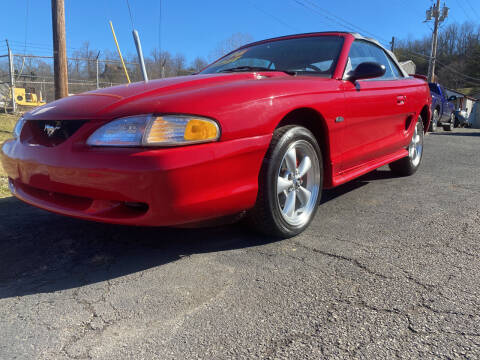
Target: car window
(363,51)
(395,69)
(322,65)
(316,55)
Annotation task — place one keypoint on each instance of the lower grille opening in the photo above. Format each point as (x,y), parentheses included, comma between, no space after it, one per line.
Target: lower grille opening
(137,206)
(78,205)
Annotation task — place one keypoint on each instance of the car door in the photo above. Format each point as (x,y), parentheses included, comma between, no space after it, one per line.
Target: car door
(445,106)
(377,109)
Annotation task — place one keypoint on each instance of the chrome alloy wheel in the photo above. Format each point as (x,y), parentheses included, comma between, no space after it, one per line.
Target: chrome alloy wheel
(415,148)
(298,183)
(434,123)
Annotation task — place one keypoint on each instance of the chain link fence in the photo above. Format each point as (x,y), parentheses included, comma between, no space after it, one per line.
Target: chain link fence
(33,78)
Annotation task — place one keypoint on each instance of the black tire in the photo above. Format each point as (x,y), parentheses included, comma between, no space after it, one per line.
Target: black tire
(266,217)
(434,122)
(451,125)
(407,166)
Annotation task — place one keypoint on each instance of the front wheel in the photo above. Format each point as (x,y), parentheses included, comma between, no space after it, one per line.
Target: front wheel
(290,183)
(410,164)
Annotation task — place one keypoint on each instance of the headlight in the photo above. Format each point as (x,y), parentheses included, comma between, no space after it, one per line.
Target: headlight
(18,128)
(151,130)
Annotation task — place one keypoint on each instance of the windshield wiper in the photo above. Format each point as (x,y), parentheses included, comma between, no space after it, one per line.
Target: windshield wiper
(256,68)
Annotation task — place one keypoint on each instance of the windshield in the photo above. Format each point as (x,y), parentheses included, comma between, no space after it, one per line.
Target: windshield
(433,87)
(315,55)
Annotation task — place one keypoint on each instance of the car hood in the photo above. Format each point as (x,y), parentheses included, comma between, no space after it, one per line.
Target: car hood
(104,103)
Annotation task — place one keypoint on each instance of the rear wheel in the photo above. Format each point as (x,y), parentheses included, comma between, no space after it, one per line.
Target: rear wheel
(290,183)
(451,125)
(434,122)
(410,164)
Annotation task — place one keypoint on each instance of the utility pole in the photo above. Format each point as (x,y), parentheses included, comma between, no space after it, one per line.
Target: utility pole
(12,77)
(96,66)
(392,44)
(60,67)
(439,16)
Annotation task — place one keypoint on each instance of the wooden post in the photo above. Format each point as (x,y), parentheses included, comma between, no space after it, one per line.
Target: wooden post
(433,55)
(60,67)
(96,66)
(12,78)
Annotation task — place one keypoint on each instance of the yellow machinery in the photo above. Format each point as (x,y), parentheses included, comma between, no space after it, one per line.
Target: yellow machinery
(28,97)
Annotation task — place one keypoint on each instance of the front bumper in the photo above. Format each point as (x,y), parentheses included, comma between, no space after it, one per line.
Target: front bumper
(147,187)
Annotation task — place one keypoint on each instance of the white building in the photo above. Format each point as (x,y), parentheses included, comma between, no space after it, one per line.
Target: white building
(475,115)
(409,66)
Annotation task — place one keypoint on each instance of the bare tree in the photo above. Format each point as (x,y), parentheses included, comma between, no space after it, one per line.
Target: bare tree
(457,55)
(161,64)
(231,43)
(199,64)
(178,63)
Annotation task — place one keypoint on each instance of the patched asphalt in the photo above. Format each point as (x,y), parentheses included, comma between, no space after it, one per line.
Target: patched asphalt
(388,269)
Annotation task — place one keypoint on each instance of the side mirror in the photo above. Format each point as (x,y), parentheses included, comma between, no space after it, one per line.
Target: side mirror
(452,98)
(367,70)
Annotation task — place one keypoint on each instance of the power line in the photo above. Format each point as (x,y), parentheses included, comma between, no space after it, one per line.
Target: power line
(130,12)
(34,47)
(465,81)
(466,77)
(273,16)
(426,57)
(25,44)
(459,73)
(160,26)
(77,59)
(19,50)
(473,9)
(26,23)
(463,9)
(301,3)
(39,45)
(348,22)
(338,20)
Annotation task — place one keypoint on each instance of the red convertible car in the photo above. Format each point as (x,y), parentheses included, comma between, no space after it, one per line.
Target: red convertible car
(263,130)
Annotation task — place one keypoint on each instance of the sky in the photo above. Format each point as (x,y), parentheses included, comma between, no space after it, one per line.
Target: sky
(194,28)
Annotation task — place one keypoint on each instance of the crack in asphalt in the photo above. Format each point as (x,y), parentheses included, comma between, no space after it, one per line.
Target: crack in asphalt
(352,261)
(86,326)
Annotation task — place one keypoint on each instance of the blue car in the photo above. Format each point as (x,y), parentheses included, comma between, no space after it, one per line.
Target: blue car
(443,110)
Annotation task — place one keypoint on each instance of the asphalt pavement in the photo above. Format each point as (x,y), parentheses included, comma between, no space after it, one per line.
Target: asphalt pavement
(390,268)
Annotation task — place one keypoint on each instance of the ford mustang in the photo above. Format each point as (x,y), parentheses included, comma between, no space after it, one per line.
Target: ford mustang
(261,131)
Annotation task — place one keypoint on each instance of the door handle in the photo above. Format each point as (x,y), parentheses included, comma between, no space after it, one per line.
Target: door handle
(401,99)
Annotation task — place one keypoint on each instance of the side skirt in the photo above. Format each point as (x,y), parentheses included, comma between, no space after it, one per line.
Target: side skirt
(355,172)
